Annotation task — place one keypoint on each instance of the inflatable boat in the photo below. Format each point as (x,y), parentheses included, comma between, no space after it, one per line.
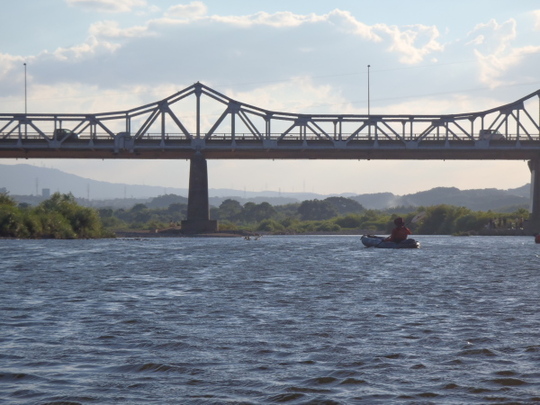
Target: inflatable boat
(378,242)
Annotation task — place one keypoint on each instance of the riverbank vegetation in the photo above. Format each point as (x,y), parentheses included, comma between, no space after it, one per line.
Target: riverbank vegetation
(331,215)
(59,217)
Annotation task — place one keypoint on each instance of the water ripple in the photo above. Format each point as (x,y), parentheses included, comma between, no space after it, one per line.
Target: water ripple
(286,320)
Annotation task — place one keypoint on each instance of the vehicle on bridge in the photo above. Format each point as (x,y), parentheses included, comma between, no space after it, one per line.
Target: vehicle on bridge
(124,141)
(490,135)
(62,134)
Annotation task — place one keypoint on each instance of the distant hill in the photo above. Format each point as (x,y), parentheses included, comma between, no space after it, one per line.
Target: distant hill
(29,181)
(24,179)
(476,200)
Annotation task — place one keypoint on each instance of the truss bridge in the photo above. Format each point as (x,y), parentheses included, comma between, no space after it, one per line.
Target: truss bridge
(199,123)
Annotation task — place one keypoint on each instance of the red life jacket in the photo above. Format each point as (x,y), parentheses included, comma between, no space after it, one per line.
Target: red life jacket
(399,234)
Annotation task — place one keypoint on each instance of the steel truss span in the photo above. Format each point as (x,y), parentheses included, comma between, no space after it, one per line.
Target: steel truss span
(200,119)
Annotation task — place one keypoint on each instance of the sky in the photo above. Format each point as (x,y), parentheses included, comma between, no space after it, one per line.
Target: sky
(308,56)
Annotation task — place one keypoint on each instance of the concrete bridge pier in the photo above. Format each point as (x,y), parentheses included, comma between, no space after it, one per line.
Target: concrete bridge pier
(534,220)
(198,214)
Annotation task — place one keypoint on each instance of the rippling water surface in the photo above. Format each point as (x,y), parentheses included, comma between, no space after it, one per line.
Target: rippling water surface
(279,320)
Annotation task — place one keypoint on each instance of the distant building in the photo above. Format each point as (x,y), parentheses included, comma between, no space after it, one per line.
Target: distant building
(46,192)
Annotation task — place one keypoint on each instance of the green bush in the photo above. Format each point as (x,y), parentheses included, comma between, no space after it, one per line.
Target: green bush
(55,225)
(350,221)
(270,225)
(58,217)
(227,226)
(327,226)
(11,222)
(32,224)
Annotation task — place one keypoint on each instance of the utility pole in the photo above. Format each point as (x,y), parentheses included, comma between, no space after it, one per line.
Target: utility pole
(25,104)
(25,93)
(368,98)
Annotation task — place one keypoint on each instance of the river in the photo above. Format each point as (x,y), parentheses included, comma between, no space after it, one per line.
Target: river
(283,319)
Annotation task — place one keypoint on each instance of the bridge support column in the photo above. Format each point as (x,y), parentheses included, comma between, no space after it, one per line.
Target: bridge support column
(198,214)
(534,220)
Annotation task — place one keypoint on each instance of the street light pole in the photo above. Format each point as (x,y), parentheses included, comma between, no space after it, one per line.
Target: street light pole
(25,105)
(368,101)
(25,98)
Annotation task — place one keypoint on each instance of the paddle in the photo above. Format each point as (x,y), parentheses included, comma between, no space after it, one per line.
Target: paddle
(417,217)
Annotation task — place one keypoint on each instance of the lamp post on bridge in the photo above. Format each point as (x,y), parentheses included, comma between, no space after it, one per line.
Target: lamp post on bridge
(368,101)
(25,97)
(25,103)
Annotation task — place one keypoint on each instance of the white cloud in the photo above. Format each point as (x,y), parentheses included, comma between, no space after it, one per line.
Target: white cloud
(69,97)
(495,52)
(298,95)
(493,66)
(277,20)
(195,9)
(7,64)
(536,15)
(323,47)
(345,21)
(495,37)
(413,43)
(479,40)
(108,6)
(111,29)
(442,104)
(84,51)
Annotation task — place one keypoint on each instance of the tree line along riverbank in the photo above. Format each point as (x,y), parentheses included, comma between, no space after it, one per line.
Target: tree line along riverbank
(61,217)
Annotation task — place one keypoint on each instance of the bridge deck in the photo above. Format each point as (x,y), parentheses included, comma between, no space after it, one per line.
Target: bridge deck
(178,148)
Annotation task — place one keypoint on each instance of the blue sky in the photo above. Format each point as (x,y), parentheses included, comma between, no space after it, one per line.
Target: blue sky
(426,57)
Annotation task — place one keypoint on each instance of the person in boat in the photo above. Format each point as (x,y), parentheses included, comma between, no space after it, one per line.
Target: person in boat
(400,232)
